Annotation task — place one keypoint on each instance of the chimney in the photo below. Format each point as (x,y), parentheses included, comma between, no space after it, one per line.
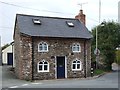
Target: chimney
(81,17)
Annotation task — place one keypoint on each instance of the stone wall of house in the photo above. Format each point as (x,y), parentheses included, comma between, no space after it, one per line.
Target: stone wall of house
(61,47)
(22,55)
(26,51)
(26,57)
(88,58)
(17,51)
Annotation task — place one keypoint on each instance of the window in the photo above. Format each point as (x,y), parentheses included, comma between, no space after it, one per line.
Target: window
(42,47)
(76,47)
(36,21)
(43,66)
(76,65)
(70,24)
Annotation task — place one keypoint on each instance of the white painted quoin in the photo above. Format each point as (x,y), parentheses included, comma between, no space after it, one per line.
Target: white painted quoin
(8,55)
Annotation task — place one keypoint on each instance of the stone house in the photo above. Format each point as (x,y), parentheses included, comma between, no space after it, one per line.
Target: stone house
(51,47)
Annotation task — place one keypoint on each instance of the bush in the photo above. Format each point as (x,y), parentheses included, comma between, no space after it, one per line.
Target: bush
(118,57)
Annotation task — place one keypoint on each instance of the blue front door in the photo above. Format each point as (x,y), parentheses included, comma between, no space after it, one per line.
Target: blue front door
(10,58)
(60,67)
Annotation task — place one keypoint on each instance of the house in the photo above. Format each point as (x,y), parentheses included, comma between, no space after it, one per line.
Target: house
(51,47)
(7,55)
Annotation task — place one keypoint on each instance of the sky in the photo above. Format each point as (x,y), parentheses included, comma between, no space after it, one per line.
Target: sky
(54,8)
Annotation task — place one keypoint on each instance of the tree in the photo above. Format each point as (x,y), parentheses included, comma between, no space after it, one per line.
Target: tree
(108,41)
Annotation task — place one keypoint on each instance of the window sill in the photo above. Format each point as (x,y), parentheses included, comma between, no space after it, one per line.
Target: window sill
(42,71)
(76,69)
(43,51)
(76,51)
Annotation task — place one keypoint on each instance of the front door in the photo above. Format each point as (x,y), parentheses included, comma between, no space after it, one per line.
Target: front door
(60,67)
(10,58)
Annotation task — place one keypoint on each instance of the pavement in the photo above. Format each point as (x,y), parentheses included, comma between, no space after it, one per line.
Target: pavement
(106,80)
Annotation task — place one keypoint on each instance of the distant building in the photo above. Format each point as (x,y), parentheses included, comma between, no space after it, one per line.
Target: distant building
(119,11)
(7,55)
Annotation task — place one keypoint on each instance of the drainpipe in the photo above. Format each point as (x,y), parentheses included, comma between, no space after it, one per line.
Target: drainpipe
(85,58)
(32,58)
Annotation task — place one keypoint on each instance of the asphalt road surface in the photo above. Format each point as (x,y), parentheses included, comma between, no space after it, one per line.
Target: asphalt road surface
(109,80)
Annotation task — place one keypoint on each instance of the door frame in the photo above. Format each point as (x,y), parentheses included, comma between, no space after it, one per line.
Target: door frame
(56,66)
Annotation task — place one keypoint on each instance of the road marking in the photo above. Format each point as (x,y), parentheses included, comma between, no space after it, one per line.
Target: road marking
(36,83)
(24,85)
(14,87)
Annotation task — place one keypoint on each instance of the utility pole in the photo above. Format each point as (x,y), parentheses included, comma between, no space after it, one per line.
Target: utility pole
(97,51)
(99,11)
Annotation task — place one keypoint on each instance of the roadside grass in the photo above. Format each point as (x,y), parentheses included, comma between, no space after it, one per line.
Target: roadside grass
(98,72)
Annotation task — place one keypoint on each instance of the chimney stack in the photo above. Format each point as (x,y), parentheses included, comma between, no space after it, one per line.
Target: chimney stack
(81,17)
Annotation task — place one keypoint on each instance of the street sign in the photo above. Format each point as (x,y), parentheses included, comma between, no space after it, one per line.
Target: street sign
(97,52)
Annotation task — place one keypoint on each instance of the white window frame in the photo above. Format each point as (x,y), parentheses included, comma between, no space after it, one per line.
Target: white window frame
(44,44)
(76,45)
(76,69)
(43,61)
(70,24)
(36,21)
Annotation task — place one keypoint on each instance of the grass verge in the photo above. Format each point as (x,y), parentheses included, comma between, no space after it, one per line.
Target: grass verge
(98,72)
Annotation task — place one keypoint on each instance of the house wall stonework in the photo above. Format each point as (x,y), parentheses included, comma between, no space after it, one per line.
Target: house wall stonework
(88,58)
(23,55)
(17,54)
(27,47)
(26,57)
(60,47)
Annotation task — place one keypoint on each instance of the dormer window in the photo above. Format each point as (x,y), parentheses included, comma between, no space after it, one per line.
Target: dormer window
(70,24)
(37,21)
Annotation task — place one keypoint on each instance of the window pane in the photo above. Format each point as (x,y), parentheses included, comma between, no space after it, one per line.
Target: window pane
(78,62)
(40,67)
(45,67)
(41,63)
(74,66)
(45,63)
(40,47)
(73,48)
(78,66)
(45,47)
(77,48)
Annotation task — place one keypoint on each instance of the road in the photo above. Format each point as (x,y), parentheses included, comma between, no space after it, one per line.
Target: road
(109,80)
